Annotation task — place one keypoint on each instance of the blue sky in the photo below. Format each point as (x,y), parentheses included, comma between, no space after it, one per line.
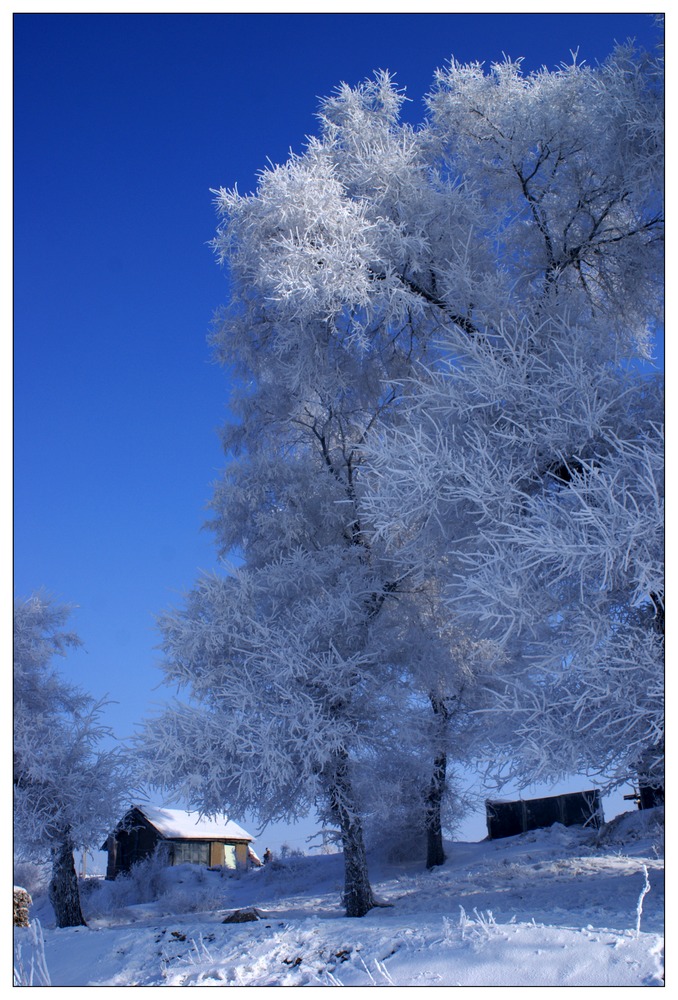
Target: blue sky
(122,125)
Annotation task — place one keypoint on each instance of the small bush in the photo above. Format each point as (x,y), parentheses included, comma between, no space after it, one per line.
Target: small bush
(290,852)
(184,888)
(33,876)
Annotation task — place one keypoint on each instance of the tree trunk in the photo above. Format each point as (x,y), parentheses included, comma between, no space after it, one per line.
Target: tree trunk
(358,897)
(651,766)
(435,855)
(651,777)
(63,887)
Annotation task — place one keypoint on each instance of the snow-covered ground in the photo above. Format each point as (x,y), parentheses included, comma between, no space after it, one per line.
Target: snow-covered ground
(556,907)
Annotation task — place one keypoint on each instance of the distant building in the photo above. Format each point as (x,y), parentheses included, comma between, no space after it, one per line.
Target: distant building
(506,819)
(182,836)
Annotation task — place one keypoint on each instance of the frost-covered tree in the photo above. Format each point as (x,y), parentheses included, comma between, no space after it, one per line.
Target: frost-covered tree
(430,329)
(320,337)
(68,790)
(532,455)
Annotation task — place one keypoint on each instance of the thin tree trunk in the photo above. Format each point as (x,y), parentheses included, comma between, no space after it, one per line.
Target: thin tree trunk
(651,766)
(64,894)
(358,897)
(435,854)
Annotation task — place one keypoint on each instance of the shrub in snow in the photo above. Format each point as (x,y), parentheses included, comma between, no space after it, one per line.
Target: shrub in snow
(176,889)
(30,965)
(33,875)
(290,852)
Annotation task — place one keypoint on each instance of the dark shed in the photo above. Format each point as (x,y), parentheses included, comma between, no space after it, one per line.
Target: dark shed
(506,819)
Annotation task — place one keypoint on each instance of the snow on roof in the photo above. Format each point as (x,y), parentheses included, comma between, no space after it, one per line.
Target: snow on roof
(190,826)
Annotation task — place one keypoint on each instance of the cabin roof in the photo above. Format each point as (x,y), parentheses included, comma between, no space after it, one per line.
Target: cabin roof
(182,825)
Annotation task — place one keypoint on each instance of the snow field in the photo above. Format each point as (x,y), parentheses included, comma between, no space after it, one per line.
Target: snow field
(554,907)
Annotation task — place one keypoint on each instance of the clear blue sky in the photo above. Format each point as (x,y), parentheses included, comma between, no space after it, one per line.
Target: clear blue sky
(122,124)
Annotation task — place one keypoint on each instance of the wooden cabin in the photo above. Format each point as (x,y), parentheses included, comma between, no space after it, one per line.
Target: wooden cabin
(183,837)
(506,819)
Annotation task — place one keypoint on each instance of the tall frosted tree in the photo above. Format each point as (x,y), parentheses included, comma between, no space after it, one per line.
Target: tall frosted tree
(68,790)
(533,455)
(320,337)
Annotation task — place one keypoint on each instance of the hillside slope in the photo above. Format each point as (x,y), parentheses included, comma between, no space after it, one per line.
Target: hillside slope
(555,907)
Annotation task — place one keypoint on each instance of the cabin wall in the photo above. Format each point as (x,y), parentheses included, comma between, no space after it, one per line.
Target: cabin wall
(128,846)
